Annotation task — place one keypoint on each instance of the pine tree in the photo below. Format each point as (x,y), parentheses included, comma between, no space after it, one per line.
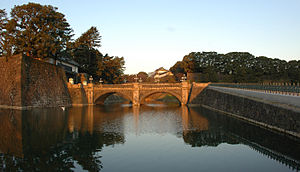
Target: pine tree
(40,31)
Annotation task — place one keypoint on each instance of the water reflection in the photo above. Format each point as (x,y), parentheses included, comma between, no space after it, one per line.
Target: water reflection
(11,132)
(56,140)
(52,139)
(273,145)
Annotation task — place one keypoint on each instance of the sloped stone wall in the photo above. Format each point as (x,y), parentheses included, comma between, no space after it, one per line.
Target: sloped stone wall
(10,81)
(43,84)
(27,82)
(78,95)
(272,116)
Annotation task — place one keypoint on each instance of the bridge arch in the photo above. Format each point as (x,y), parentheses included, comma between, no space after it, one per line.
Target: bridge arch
(99,98)
(142,98)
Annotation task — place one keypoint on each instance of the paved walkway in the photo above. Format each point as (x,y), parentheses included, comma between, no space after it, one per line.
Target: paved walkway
(289,100)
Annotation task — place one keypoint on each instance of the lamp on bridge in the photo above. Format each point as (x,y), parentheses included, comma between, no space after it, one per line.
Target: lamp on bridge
(136,78)
(91,79)
(183,78)
(100,81)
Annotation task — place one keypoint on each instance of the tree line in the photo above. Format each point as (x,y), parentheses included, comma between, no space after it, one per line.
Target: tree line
(40,31)
(237,67)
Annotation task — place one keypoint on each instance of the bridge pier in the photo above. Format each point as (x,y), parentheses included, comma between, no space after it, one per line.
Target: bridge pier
(136,94)
(90,94)
(185,93)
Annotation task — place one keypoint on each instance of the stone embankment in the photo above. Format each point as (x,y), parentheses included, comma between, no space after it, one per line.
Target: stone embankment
(263,110)
(77,94)
(27,82)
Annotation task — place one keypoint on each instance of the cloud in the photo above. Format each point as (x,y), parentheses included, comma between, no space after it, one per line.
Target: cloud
(171,29)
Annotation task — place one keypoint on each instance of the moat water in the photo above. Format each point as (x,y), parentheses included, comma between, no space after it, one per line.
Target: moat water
(148,138)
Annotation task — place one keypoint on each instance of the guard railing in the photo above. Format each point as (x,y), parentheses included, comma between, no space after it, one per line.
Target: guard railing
(275,88)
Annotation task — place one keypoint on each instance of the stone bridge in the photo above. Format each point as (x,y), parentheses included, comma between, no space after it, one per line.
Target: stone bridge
(136,93)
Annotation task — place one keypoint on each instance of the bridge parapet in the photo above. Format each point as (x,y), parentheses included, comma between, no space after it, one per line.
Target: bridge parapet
(161,84)
(113,85)
(74,85)
(142,85)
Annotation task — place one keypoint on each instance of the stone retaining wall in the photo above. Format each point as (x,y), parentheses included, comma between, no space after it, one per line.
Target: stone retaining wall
(26,82)
(272,116)
(10,81)
(78,95)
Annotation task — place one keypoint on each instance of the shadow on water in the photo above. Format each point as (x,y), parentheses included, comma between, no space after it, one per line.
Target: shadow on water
(224,129)
(55,140)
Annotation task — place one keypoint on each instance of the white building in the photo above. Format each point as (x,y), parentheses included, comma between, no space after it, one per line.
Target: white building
(160,73)
(69,66)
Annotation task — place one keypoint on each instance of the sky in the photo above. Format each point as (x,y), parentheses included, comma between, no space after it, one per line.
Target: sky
(157,33)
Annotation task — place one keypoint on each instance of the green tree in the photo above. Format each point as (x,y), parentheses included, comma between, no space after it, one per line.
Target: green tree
(190,63)
(6,35)
(3,21)
(129,78)
(111,69)
(143,76)
(87,59)
(91,38)
(294,71)
(85,52)
(168,79)
(178,70)
(238,67)
(40,31)
(210,75)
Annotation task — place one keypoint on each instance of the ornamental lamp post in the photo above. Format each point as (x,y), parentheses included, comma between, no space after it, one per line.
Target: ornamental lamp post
(183,78)
(91,79)
(136,78)
(71,81)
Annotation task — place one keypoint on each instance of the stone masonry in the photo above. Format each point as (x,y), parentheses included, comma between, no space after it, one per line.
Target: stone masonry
(265,114)
(27,82)
(134,92)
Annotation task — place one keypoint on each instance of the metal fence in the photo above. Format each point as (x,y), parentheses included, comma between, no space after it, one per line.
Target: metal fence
(275,88)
